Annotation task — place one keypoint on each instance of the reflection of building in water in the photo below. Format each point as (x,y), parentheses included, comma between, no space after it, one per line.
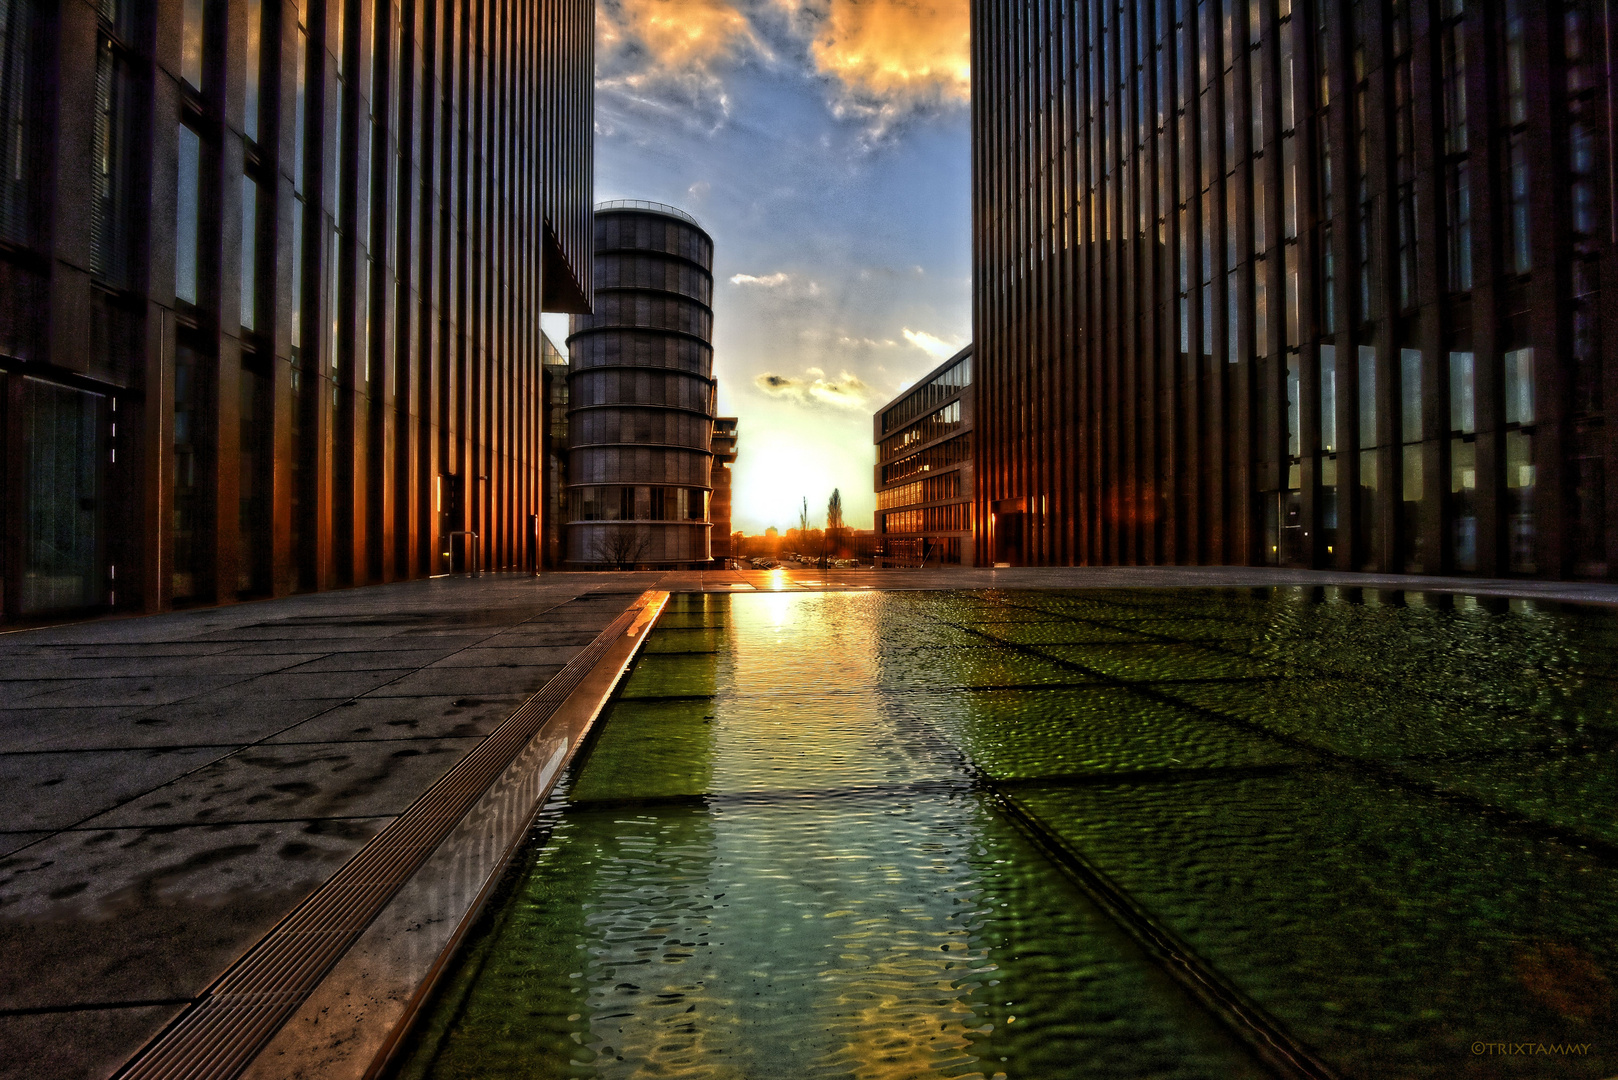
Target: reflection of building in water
(269,313)
(1366,330)
(641,393)
(924,469)
(724,455)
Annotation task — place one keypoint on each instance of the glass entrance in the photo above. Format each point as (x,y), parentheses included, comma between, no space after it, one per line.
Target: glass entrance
(63,564)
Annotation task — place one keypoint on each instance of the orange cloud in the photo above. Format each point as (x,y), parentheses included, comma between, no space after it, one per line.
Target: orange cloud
(894,49)
(684,34)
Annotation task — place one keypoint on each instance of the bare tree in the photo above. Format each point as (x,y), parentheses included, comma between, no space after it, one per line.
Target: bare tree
(834,526)
(621,549)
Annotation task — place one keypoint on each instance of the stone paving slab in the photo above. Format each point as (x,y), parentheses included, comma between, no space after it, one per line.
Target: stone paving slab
(382,718)
(57,790)
(113,916)
(178,783)
(81,1043)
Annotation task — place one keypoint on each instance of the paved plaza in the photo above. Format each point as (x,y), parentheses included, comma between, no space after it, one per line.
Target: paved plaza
(177,784)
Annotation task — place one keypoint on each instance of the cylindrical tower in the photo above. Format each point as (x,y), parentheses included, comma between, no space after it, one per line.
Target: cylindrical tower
(641,393)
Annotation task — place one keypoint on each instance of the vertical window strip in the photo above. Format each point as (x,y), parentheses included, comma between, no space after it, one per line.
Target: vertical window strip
(16,22)
(188,206)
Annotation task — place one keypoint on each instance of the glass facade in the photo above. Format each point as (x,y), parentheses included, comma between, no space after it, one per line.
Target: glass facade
(314,240)
(641,394)
(1227,252)
(924,470)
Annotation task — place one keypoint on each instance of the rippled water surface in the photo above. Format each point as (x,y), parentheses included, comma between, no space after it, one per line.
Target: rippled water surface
(907,834)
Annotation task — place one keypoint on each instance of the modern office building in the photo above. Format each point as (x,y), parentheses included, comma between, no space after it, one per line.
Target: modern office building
(1311,282)
(641,393)
(270,275)
(924,469)
(724,456)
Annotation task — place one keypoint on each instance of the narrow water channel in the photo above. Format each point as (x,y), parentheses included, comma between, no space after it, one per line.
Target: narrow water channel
(956,835)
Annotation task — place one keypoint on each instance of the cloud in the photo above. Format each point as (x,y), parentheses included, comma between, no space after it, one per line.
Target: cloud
(865,342)
(933,346)
(896,49)
(846,391)
(885,59)
(769,281)
(790,284)
(675,35)
(665,58)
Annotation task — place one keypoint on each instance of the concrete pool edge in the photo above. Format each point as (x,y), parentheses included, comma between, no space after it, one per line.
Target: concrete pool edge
(348,1014)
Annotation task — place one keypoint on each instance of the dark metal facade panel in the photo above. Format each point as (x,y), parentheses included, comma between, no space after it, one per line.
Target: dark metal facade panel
(291,259)
(1310,282)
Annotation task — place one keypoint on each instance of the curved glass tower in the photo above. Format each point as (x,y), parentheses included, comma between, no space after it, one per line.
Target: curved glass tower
(641,394)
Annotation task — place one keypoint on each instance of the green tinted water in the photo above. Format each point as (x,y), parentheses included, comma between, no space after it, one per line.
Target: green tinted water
(1388,827)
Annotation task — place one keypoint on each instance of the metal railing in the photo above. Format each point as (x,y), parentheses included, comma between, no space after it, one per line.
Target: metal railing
(645,204)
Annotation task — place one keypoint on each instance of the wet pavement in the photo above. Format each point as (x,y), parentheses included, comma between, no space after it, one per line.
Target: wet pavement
(176,784)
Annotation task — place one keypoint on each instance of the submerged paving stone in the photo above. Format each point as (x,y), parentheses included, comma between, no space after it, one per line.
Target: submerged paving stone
(786,855)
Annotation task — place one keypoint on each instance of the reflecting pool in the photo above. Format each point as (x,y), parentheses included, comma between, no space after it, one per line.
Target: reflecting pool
(1154,833)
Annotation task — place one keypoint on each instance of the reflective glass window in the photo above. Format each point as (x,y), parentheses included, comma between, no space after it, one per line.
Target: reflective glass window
(188,205)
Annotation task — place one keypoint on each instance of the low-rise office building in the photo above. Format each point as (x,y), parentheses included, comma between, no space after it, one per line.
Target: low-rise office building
(925,469)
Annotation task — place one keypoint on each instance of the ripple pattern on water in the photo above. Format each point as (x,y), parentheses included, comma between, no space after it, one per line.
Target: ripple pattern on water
(1384,820)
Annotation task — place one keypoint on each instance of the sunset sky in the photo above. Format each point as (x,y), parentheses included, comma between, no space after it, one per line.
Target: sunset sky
(823,144)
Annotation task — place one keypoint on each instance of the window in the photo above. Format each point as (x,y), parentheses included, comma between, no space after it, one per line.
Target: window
(1520,479)
(1519,386)
(189,480)
(1463,485)
(255,417)
(64,445)
(188,207)
(1462,394)
(1404,150)
(1410,394)
(109,182)
(255,53)
(1514,185)
(16,22)
(1367,375)
(192,42)
(1294,408)
(299,123)
(250,260)
(1328,398)
(1457,164)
